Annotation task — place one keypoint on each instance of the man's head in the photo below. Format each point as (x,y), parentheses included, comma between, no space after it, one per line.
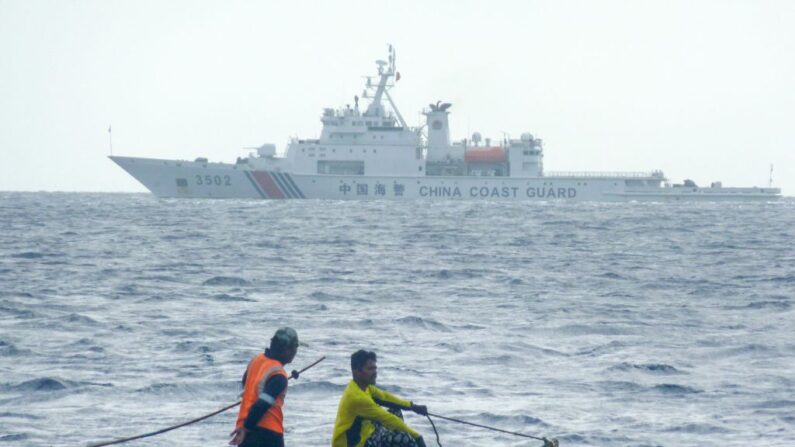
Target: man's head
(364,368)
(284,344)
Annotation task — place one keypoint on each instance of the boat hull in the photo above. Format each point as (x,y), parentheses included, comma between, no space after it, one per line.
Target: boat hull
(197,179)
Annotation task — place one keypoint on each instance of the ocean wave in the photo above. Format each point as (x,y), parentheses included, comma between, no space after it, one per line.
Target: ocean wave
(508,420)
(226,281)
(425,323)
(521,242)
(128,289)
(323,296)
(16,294)
(51,384)
(776,403)
(531,349)
(29,255)
(594,329)
(654,368)
(31,417)
(333,280)
(623,386)
(159,278)
(702,429)
(602,349)
(80,319)
(464,273)
(612,275)
(168,389)
(14,437)
(470,327)
(672,388)
(40,384)
(752,349)
(23,314)
(269,244)
(776,305)
(8,349)
(504,359)
(193,346)
(231,298)
(321,386)
(787,279)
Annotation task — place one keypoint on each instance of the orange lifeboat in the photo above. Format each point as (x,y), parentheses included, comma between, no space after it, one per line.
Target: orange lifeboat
(485,155)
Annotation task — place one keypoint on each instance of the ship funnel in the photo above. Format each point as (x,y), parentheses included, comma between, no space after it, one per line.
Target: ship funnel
(438,126)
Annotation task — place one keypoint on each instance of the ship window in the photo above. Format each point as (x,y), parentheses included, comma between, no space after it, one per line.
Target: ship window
(338,167)
(182,183)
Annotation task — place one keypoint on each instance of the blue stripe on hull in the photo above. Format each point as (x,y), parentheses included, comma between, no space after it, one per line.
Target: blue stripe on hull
(291,182)
(279,181)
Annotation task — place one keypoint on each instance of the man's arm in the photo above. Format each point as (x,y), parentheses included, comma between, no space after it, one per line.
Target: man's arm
(273,387)
(368,409)
(389,400)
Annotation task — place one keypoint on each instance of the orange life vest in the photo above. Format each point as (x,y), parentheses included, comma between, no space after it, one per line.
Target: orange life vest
(260,369)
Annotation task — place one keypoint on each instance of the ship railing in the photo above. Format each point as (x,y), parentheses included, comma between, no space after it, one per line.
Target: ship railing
(600,174)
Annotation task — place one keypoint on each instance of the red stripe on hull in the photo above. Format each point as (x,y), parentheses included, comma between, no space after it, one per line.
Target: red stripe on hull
(267,184)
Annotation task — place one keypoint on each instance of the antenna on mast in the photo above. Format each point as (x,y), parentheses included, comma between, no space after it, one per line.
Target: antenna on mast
(770,181)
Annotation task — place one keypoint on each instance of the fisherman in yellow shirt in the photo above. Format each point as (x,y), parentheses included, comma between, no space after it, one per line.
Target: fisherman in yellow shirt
(361,422)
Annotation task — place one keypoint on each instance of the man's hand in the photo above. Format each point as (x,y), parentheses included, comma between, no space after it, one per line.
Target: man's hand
(419,409)
(551,442)
(237,435)
(295,374)
(420,442)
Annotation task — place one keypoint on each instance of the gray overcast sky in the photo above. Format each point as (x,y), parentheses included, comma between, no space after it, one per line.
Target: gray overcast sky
(700,89)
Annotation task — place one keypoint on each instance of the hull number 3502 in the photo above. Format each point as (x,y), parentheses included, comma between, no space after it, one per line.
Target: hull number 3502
(218,180)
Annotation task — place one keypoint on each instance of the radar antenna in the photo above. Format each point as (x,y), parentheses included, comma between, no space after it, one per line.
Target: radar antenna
(770,180)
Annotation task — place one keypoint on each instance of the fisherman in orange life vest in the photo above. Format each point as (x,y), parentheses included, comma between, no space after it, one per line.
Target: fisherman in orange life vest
(260,420)
(361,422)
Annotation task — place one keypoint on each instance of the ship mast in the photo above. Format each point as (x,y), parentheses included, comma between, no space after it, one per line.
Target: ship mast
(386,70)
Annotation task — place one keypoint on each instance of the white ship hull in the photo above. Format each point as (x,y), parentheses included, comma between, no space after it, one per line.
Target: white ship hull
(187,179)
(369,152)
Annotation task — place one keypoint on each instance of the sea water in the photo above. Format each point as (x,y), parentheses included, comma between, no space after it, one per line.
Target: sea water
(626,324)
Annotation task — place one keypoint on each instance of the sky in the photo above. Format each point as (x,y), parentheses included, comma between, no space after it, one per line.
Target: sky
(703,90)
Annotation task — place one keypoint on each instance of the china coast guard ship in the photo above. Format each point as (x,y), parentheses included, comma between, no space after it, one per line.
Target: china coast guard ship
(372,153)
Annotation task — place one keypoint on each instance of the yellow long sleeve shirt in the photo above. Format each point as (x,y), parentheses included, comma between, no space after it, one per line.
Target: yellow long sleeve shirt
(357,411)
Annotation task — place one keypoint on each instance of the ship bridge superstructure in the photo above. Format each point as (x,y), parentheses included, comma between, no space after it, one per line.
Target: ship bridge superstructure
(362,140)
